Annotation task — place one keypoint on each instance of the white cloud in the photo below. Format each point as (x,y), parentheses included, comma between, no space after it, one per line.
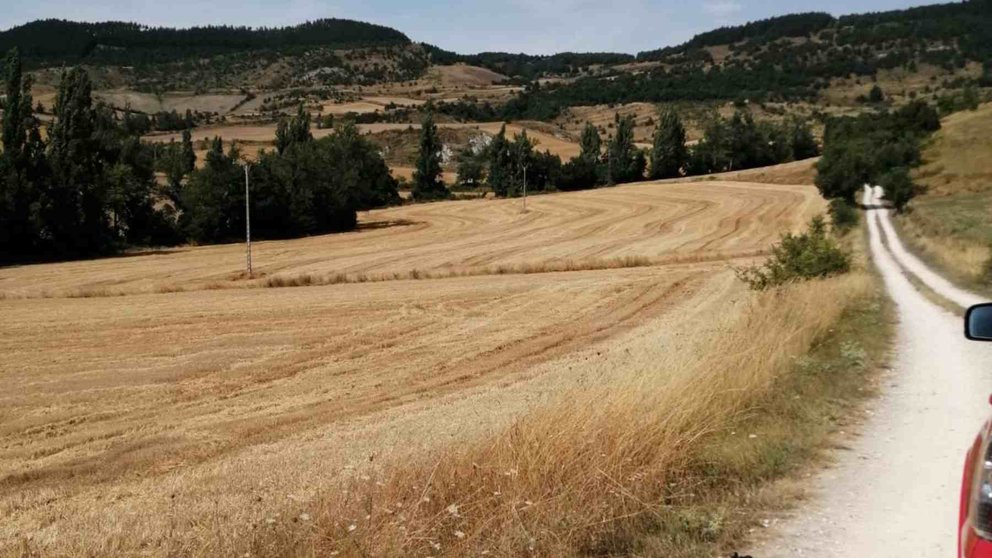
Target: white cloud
(722,8)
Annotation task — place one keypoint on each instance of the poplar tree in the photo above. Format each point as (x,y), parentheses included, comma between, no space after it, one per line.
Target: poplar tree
(22,165)
(74,213)
(427,181)
(187,153)
(668,154)
(625,162)
(294,131)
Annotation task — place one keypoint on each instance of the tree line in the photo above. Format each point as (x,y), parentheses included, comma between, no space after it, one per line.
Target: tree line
(89,188)
(765,64)
(54,41)
(874,148)
(507,165)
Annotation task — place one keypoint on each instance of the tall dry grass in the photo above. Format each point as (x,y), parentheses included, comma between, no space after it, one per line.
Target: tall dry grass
(587,474)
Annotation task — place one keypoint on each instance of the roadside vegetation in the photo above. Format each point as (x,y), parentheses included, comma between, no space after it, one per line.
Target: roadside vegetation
(813,254)
(950,225)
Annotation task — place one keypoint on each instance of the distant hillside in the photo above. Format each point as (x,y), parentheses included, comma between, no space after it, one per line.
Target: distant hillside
(785,58)
(531,66)
(218,56)
(53,41)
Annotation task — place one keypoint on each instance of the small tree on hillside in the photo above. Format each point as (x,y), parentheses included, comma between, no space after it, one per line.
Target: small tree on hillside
(668,154)
(876,95)
(427,182)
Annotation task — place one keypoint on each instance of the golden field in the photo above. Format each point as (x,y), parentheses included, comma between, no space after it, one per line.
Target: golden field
(160,403)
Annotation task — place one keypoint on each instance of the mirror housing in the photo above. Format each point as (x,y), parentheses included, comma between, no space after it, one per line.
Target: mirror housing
(978,323)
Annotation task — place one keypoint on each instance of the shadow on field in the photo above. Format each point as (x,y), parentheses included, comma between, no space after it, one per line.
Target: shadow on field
(375,225)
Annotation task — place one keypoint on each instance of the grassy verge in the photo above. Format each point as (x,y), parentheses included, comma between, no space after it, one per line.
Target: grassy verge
(680,459)
(953,234)
(951,225)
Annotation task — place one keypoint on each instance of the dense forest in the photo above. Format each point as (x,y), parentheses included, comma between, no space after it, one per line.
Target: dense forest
(159,59)
(784,58)
(57,42)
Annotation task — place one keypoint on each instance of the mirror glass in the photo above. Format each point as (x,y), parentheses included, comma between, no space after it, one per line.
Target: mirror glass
(978,323)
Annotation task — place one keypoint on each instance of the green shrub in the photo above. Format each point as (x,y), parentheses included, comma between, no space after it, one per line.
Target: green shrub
(811,255)
(843,216)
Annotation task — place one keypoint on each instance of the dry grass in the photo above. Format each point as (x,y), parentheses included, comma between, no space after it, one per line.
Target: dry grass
(951,225)
(658,221)
(584,474)
(588,473)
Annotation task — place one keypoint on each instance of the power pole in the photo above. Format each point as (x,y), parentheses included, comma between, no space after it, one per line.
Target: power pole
(247,222)
(525,188)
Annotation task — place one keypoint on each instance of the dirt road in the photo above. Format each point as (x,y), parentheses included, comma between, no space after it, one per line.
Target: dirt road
(895,491)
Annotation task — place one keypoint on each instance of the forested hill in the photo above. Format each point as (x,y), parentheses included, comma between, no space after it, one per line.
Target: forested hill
(791,57)
(55,42)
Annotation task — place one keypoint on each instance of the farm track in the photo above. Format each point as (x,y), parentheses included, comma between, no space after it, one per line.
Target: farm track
(117,405)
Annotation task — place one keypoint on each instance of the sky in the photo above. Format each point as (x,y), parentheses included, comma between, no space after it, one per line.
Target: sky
(464,26)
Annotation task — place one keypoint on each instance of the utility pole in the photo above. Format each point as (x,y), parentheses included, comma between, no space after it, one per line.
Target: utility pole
(525,188)
(247,222)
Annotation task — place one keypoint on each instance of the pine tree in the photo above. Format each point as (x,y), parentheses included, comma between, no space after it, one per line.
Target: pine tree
(427,182)
(668,154)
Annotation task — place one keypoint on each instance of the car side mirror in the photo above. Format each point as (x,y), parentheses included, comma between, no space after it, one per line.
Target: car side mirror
(978,323)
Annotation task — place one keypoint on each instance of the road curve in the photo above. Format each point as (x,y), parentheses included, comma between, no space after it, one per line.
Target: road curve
(895,491)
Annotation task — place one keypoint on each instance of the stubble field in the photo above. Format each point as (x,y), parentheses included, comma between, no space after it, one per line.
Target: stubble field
(152,398)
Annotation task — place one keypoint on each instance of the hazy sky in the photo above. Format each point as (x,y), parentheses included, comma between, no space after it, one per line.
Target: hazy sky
(465,26)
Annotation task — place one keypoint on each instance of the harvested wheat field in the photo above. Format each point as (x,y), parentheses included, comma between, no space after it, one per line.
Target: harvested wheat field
(159,404)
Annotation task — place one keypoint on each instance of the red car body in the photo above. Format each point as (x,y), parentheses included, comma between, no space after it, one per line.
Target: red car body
(972,541)
(975,511)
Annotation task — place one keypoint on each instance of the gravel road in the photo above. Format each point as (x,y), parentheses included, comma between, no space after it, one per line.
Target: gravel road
(894,492)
